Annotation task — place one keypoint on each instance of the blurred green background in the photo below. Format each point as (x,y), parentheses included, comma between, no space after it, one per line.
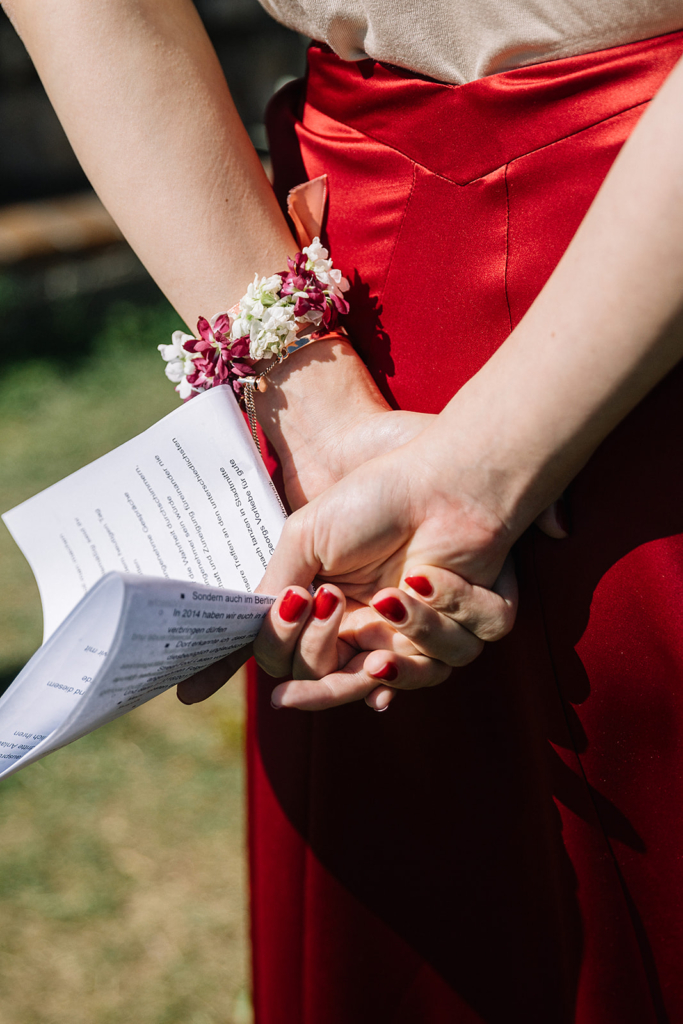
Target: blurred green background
(122,866)
(122,874)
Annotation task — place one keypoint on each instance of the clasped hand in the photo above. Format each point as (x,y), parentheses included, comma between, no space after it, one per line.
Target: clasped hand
(413,574)
(413,580)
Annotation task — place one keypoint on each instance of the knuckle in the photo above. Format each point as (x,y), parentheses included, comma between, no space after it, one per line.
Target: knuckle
(274,671)
(294,529)
(339,692)
(421,633)
(492,631)
(499,626)
(467,653)
(329,685)
(450,603)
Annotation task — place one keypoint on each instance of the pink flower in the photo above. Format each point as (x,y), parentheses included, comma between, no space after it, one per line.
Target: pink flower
(308,296)
(341,304)
(218,360)
(317,299)
(298,279)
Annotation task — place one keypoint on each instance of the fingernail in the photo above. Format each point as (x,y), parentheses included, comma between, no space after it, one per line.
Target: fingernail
(388,672)
(391,608)
(291,606)
(380,710)
(325,603)
(562,513)
(276,707)
(420,584)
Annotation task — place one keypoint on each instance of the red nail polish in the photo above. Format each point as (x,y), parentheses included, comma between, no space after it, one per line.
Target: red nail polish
(291,606)
(420,584)
(325,603)
(388,673)
(391,608)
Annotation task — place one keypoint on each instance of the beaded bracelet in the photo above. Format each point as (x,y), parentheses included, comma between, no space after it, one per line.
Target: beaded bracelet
(277,316)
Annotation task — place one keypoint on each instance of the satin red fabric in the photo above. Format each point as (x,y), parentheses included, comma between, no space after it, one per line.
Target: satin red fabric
(507,847)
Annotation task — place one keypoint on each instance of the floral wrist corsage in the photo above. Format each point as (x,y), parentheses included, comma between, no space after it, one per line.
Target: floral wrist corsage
(277,315)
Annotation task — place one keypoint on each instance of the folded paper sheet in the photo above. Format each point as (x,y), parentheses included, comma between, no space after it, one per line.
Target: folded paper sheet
(146,561)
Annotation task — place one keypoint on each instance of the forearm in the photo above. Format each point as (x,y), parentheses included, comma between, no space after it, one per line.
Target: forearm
(144,102)
(138,88)
(603,331)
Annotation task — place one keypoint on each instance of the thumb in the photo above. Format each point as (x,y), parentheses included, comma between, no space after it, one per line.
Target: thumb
(293,563)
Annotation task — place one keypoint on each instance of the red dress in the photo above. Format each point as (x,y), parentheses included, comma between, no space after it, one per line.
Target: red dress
(506,848)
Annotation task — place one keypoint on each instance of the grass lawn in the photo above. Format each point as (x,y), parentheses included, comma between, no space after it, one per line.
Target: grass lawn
(121,857)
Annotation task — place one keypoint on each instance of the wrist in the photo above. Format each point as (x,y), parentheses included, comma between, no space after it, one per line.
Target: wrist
(489,446)
(316,402)
(462,493)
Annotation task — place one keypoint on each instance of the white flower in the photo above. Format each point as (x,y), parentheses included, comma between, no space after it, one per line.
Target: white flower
(175,370)
(265,346)
(314,316)
(317,255)
(265,318)
(179,362)
(271,284)
(240,327)
(281,315)
(184,389)
(175,350)
(270,335)
(258,345)
(323,268)
(263,291)
(333,281)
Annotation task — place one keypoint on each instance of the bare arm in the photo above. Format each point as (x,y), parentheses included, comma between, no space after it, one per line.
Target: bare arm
(604,330)
(143,100)
(141,95)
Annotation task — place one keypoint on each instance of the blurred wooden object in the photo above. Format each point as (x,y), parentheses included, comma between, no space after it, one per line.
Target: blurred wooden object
(45,227)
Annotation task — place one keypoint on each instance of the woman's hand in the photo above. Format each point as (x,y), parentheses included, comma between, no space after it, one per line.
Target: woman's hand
(388,517)
(345,651)
(327,638)
(324,415)
(355,650)
(607,326)
(322,637)
(421,547)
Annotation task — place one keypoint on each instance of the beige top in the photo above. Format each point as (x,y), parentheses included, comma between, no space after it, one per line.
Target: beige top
(459,41)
